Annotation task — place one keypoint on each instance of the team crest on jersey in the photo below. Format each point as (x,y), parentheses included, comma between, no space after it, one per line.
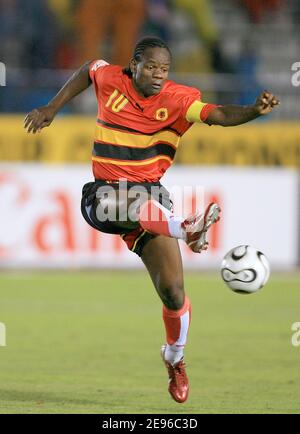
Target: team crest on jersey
(161,114)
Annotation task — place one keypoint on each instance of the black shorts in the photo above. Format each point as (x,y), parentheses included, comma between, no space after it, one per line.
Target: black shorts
(135,238)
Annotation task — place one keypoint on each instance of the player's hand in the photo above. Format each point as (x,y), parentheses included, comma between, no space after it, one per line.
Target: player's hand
(266,102)
(38,119)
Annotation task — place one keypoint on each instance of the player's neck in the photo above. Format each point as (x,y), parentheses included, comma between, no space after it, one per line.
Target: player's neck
(138,91)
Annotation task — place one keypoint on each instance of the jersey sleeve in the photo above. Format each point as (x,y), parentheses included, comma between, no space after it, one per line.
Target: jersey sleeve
(96,70)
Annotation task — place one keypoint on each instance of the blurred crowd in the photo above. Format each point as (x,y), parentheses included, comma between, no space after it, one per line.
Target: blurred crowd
(65,33)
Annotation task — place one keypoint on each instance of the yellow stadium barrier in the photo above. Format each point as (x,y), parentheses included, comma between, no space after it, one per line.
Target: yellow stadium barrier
(253,144)
(70,138)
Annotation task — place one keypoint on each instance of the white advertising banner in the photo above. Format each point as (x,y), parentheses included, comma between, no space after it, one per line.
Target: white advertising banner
(41,223)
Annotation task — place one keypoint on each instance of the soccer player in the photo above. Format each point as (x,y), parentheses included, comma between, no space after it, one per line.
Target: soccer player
(141,117)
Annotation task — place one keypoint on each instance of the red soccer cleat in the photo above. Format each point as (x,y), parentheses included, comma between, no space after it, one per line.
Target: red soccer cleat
(178,381)
(197,225)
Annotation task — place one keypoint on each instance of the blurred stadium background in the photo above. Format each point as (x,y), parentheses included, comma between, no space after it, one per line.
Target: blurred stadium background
(231,50)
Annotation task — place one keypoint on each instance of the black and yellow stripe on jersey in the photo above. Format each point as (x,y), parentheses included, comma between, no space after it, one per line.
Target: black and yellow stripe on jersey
(125,146)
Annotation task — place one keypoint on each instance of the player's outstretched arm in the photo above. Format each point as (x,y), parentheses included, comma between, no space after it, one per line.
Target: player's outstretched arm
(42,117)
(230,115)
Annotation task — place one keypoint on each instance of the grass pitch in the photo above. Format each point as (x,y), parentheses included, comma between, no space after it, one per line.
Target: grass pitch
(89,342)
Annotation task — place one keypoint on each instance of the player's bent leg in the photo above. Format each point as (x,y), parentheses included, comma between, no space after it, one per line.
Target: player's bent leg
(162,258)
(161,255)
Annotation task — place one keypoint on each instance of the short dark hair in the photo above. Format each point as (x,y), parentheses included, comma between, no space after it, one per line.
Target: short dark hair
(142,45)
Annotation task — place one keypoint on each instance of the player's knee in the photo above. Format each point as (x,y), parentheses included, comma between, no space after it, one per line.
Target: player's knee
(173,296)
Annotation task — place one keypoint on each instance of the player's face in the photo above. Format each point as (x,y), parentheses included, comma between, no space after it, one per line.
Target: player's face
(150,73)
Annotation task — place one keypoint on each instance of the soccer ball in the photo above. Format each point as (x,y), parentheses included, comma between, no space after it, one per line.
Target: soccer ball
(245,269)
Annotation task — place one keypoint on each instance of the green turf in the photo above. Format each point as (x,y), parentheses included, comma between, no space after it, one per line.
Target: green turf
(89,343)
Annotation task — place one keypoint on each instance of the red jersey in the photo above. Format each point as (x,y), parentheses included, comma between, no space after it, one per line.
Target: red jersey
(136,138)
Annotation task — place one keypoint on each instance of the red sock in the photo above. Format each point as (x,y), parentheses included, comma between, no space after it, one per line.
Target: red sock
(177,324)
(158,220)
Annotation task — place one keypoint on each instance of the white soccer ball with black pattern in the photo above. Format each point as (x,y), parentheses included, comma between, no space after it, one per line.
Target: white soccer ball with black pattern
(245,269)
